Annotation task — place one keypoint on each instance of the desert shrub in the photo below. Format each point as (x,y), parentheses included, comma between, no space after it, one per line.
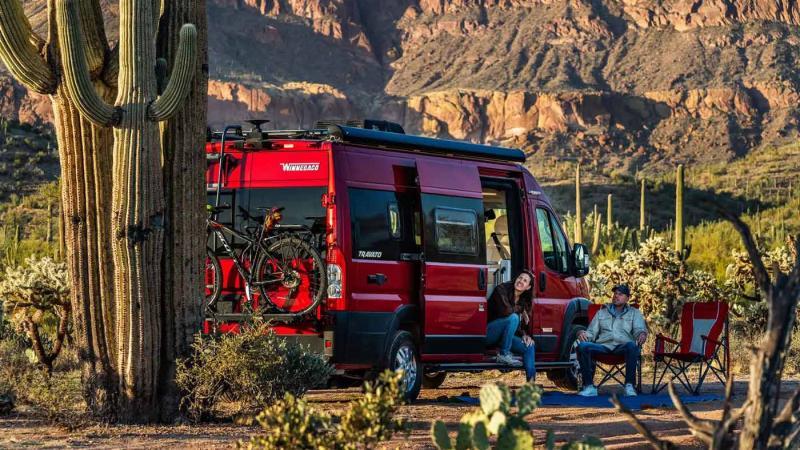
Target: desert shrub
(496,417)
(253,369)
(34,294)
(660,282)
(291,423)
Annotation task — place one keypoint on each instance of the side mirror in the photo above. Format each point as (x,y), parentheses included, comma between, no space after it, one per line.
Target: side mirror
(580,259)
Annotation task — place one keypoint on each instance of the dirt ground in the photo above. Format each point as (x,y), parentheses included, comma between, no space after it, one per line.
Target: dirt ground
(22,430)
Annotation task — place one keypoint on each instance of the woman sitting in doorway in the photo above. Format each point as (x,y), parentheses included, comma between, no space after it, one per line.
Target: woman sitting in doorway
(510,313)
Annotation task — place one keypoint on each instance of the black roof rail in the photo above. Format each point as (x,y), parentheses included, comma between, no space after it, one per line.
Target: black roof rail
(406,141)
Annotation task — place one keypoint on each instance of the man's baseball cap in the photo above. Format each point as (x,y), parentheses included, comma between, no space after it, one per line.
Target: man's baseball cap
(622,289)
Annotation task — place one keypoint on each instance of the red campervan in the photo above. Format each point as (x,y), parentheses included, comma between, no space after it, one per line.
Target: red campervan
(415,233)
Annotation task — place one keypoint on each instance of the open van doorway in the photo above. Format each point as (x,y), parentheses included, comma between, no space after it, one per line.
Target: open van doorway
(502,213)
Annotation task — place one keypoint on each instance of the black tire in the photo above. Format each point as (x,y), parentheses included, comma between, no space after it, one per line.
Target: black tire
(569,379)
(403,354)
(433,380)
(213,278)
(313,281)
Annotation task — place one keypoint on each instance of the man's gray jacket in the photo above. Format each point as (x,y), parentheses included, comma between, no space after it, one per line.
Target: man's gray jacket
(616,328)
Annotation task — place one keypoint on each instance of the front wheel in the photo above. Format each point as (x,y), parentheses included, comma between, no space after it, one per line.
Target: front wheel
(403,356)
(569,378)
(432,380)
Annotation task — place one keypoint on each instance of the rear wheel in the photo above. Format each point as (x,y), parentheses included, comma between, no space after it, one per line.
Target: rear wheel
(213,277)
(403,356)
(433,380)
(569,378)
(290,277)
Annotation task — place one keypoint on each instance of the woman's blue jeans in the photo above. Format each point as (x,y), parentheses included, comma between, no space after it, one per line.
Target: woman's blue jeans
(500,332)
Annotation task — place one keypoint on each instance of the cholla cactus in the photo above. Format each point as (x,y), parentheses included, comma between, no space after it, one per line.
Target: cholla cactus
(659,282)
(31,293)
(495,417)
(741,283)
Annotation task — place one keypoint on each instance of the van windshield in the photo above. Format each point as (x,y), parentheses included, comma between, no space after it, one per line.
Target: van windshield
(303,205)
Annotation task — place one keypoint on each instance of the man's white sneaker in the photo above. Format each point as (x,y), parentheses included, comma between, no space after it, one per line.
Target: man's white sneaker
(588,391)
(508,360)
(630,391)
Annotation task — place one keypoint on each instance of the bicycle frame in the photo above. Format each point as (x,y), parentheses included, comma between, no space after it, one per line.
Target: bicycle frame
(219,231)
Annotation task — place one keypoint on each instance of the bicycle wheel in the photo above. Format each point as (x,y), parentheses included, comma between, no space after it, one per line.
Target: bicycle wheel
(213,277)
(290,276)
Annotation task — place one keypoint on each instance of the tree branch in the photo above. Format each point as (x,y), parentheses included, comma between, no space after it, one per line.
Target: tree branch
(701,428)
(19,52)
(655,442)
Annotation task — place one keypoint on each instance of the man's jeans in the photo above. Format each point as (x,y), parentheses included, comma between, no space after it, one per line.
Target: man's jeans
(587,351)
(500,332)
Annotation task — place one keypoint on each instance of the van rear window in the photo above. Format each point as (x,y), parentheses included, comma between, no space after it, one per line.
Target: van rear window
(383,224)
(303,205)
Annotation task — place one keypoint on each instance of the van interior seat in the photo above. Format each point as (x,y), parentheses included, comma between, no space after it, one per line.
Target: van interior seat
(498,245)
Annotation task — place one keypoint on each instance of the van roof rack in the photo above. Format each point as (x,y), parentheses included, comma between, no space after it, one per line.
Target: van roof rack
(368,124)
(410,142)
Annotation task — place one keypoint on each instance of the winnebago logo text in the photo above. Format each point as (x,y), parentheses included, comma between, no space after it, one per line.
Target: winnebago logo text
(300,167)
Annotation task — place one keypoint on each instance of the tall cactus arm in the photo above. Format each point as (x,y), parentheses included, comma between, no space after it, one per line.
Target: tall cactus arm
(94,34)
(76,72)
(19,52)
(180,81)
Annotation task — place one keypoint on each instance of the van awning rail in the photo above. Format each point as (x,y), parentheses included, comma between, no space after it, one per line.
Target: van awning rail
(420,143)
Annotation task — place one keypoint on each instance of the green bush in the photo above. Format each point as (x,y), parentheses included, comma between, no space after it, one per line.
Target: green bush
(660,283)
(495,417)
(291,423)
(253,369)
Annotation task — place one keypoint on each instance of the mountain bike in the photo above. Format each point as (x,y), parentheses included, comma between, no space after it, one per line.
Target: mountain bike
(275,261)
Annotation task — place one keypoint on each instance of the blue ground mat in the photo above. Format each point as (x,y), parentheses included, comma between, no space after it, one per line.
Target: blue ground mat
(641,401)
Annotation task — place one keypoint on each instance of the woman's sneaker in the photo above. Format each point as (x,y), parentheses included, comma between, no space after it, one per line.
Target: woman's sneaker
(588,391)
(508,360)
(630,391)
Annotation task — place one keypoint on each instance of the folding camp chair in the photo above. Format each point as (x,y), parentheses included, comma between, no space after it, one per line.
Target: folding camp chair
(703,344)
(612,367)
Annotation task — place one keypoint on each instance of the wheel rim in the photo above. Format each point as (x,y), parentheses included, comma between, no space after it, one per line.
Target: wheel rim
(575,365)
(406,360)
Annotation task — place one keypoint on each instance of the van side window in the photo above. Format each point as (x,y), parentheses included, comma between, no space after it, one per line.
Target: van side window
(378,224)
(546,239)
(562,248)
(456,231)
(552,241)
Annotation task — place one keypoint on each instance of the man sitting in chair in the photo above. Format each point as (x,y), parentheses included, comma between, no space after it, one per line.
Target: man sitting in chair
(617,329)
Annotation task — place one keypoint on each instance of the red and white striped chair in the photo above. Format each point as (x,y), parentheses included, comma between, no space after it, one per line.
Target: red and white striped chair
(703,344)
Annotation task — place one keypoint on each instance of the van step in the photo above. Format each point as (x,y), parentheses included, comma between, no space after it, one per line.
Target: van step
(238,317)
(479,367)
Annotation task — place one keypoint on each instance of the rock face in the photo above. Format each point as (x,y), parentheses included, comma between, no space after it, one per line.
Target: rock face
(627,84)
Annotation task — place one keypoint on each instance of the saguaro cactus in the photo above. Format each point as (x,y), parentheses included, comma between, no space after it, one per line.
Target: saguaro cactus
(85,160)
(137,204)
(641,208)
(578,211)
(609,214)
(679,230)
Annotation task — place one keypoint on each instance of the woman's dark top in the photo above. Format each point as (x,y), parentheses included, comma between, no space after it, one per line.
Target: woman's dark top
(501,305)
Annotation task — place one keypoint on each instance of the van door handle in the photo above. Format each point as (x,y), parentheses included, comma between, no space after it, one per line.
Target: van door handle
(481,279)
(542,281)
(377,278)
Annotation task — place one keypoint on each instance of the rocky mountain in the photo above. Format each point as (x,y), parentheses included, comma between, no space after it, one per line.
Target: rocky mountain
(623,85)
